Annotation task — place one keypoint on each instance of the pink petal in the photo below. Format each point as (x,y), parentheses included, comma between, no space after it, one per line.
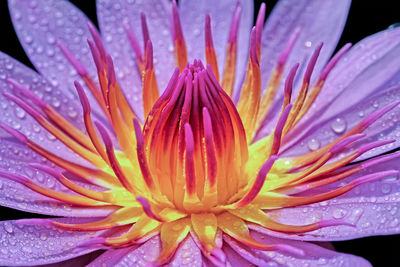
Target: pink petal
(372,74)
(39,25)
(112,257)
(373,208)
(23,244)
(19,119)
(14,158)
(141,255)
(320,21)
(233,258)
(314,255)
(193,16)
(111,16)
(188,254)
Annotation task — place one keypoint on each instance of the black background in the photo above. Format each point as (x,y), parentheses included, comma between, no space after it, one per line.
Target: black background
(365,18)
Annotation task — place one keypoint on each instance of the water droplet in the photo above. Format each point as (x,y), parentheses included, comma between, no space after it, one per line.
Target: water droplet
(339,213)
(313,144)
(27,249)
(51,137)
(394,223)
(28,39)
(339,125)
(386,188)
(9,65)
(8,227)
(308,44)
(20,113)
(43,236)
(375,104)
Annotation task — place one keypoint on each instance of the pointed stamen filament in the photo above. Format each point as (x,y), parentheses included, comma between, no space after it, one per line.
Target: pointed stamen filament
(177,35)
(211,57)
(231,52)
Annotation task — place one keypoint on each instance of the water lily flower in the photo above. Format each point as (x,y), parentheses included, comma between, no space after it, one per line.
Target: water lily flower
(183,135)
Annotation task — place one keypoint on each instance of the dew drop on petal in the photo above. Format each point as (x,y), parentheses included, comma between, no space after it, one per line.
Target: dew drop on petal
(339,125)
(386,188)
(339,213)
(313,144)
(20,113)
(8,227)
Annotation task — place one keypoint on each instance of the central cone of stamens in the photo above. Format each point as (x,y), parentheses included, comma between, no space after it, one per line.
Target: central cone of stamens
(195,143)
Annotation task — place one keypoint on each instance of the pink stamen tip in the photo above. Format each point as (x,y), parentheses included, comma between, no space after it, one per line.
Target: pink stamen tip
(279,128)
(210,148)
(253,46)
(290,79)
(311,64)
(71,58)
(42,222)
(372,177)
(260,22)
(147,208)
(372,162)
(208,34)
(52,171)
(141,154)
(258,183)
(96,56)
(189,160)
(374,116)
(283,57)
(145,29)
(233,32)
(106,138)
(27,93)
(82,97)
(373,145)
(112,79)
(97,40)
(176,22)
(31,111)
(290,249)
(149,55)
(345,142)
(335,222)
(13,177)
(19,136)
(332,63)
(132,40)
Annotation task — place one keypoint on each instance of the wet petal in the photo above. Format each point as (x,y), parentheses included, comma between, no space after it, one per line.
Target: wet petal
(373,208)
(233,258)
(193,16)
(320,21)
(15,158)
(39,25)
(141,255)
(53,96)
(376,54)
(111,16)
(313,255)
(23,244)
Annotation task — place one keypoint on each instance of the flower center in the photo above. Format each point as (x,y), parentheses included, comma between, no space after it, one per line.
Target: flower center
(195,141)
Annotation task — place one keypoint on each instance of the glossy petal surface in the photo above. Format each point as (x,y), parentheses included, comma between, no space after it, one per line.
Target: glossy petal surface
(320,21)
(36,244)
